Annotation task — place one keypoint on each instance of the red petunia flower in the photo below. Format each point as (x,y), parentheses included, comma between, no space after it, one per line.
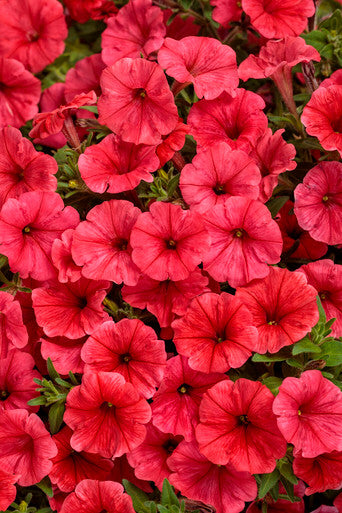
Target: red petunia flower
(19,94)
(334,79)
(216,174)
(101,244)
(26,447)
(198,479)
(16,381)
(92,496)
(216,333)
(107,415)
(172,142)
(71,467)
(338,503)
(322,117)
(136,101)
(129,348)
(84,77)
(8,491)
(167,298)
(62,259)
(321,473)
(283,307)
(226,11)
(179,26)
(244,240)
(175,404)
(309,411)
(123,470)
(83,10)
(237,426)
(318,202)
(202,61)
(115,166)
(150,458)
(281,505)
(279,18)
(13,332)
(32,32)
(238,121)
(22,168)
(28,227)
(136,30)
(168,242)
(65,353)
(52,98)
(72,309)
(326,278)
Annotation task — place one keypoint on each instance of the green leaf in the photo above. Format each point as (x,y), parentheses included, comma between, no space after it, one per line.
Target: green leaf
(305,346)
(292,362)
(56,413)
(322,317)
(274,492)
(162,509)
(273,383)
(172,185)
(286,470)
(289,487)
(138,497)
(168,496)
(152,506)
(268,358)
(51,370)
(267,482)
(275,204)
(91,108)
(45,486)
(332,353)
(37,401)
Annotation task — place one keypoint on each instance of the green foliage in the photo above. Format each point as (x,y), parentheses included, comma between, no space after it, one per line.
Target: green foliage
(327,39)
(167,503)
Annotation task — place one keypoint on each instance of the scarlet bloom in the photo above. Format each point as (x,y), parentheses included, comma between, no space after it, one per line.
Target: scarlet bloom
(334,79)
(168,242)
(19,95)
(202,61)
(22,168)
(136,29)
(52,98)
(237,426)
(62,259)
(172,142)
(114,165)
(16,381)
(279,18)
(71,467)
(107,415)
(129,348)
(216,333)
(180,26)
(101,244)
(280,505)
(197,478)
(309,411)
(226,11)
(83,10)
(123,470)
(283,307)
(28,227)
(218,173)
(273,156)
(92,496)
(150,458)
(244,240)
(33,32)
(65,353)
(321,473)
(238,121)
(13,332)
(84,77)
(26,447)
(167,298)
(8,491)
(326,278)
(297,242)
(175,404)
(322,117)
(136,101)
(318,202)
(72,309)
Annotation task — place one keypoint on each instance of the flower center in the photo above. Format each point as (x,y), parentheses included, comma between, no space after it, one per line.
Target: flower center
(82,302)
(184,389)
(3,395)
(171,244)
(27,229)
(170,446)
(239,233)
(32,35)
(272,323)
(120,244)
(336,125)
(324,294)
(140,93)
(125,358)
(219,190)
(244,419)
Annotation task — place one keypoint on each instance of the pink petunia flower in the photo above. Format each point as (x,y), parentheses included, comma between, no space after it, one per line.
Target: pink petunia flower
(281,505)
(172,142)
(324,472)
(279,18)
(102,246)
(137,29)
(72,309)
(283,307)
(244,240)
(22,168)
(19,94)
(237,426)
(180,25)
(216,174)
(83,10)
(84,77)
(13,332)
(62,258)
(28,227)
(216,333)
(202,61)
(334,79)
(318,202)
(26,447)
(115,166)
(338,503)
(226,11)
(309,411)
(123,470)
(8,491)
(238,121)
(92,496)
(168,242)
(107,415)
(326,278)
(65,353)
(129,348)
(221,486)
(71,467)
(136,101)
(175,404)
(32,32)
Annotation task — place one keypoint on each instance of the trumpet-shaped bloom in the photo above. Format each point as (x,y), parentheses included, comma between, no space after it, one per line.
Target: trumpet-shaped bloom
(65,353)
(13,332)
(324,472)
(226,11)
(172,142)
(84,77)
(62,258)
(8,491)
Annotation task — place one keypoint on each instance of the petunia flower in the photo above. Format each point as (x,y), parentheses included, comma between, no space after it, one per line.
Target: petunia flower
(324,472)
(8,491)
(226,11)
(180,25)
(13,332)
(107,415)
(83,10)
(281,505)
(123,470)
(84,77)
(172,142)
(65,353)
(62,258)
